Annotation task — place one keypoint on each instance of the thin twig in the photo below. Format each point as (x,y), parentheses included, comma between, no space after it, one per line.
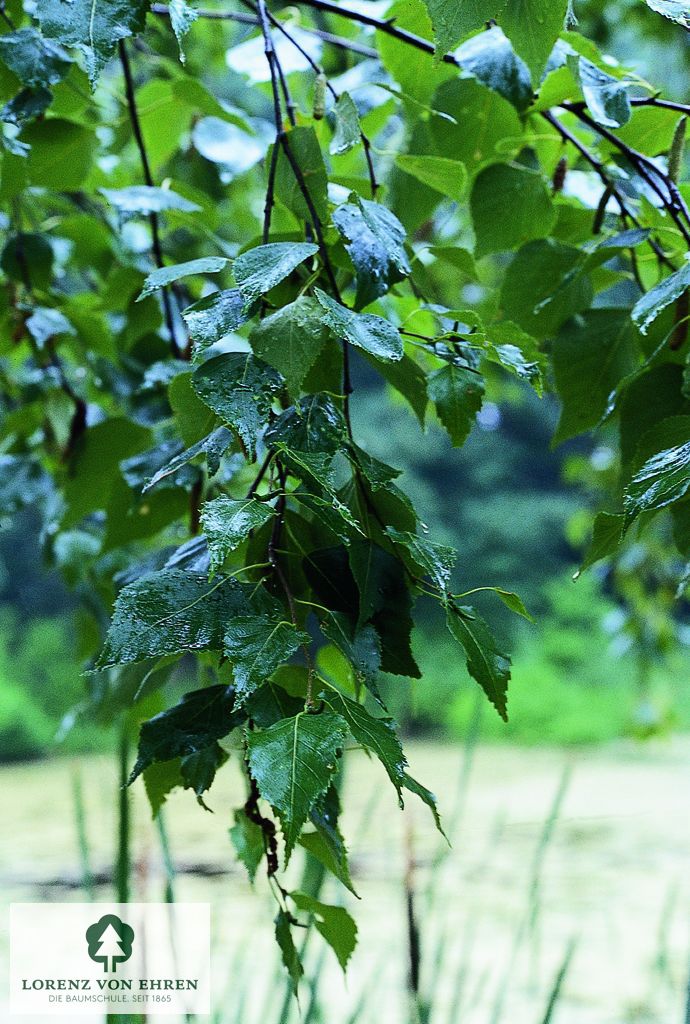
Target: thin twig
(178,350)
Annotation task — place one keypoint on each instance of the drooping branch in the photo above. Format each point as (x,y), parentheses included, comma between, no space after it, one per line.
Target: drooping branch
(609,184)
(178,350)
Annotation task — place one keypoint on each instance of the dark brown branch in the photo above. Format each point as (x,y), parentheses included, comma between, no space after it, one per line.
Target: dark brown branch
(148,179)
(606,180)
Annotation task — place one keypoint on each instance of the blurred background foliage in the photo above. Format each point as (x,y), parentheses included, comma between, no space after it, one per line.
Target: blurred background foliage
(605,657)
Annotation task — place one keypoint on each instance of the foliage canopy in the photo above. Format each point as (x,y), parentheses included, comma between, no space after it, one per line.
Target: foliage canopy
(203,248)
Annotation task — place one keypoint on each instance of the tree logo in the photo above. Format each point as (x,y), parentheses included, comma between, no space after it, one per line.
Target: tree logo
(110,941)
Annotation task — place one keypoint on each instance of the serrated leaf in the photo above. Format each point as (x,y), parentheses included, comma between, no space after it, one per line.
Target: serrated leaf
(306,152)
(664,476)
(533,26)
(327,843)
(248,840)
(372,333)
(385,601)
(37,62)
(333,923)
(485,663)
(257,645)
(288,950)
(291,340)
(648,308)
(448,177)
(164,276)
(228,522)
(457,393)
(374,239)
(376,734)
(606,536)
(142,200)
(293,763)
(314,425)
(452,20)
(591,354)
(606,97)
(173,610)
(490,58)
(211,318)
(434,560)
(213,447)
(676,10)
(198,769)
(347,129)
(510,206)
(94,26)
(240,389)
(428,798)
(262,268)
(200,719)
(182,17)
(408,378)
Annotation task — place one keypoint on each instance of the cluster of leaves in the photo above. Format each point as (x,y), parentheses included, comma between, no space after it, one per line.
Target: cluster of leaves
(200,256)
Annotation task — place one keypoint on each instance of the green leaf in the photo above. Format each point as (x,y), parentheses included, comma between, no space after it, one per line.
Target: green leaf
(142,200)
(662,470)
(304,146)
(648,308)
(433,560)
(240,389)
(211,318)
(291,340)
(606,97)
(198,770)
(592,353)
(200,719)
(164,276)
(449,177)
(485,663)
(606,536)
(457,392)
(374,239)
(327,844)
(314,425)
(513,602)
(347,129)
(318,847)
(213,447)
(372,333)
(334,923)
(293,763)
(173,610)
(533,26)
(676,10)
(96,466)
(262,268)
(360,645)
(490,58)
(385,601)
(257,645)
(182,17)
(427,797)
(288,950)
(34,60)
(62,154)
(248,840)
(534,294)
(453,20)
(227,522)
(510,206)
(376,734)
(94,26)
